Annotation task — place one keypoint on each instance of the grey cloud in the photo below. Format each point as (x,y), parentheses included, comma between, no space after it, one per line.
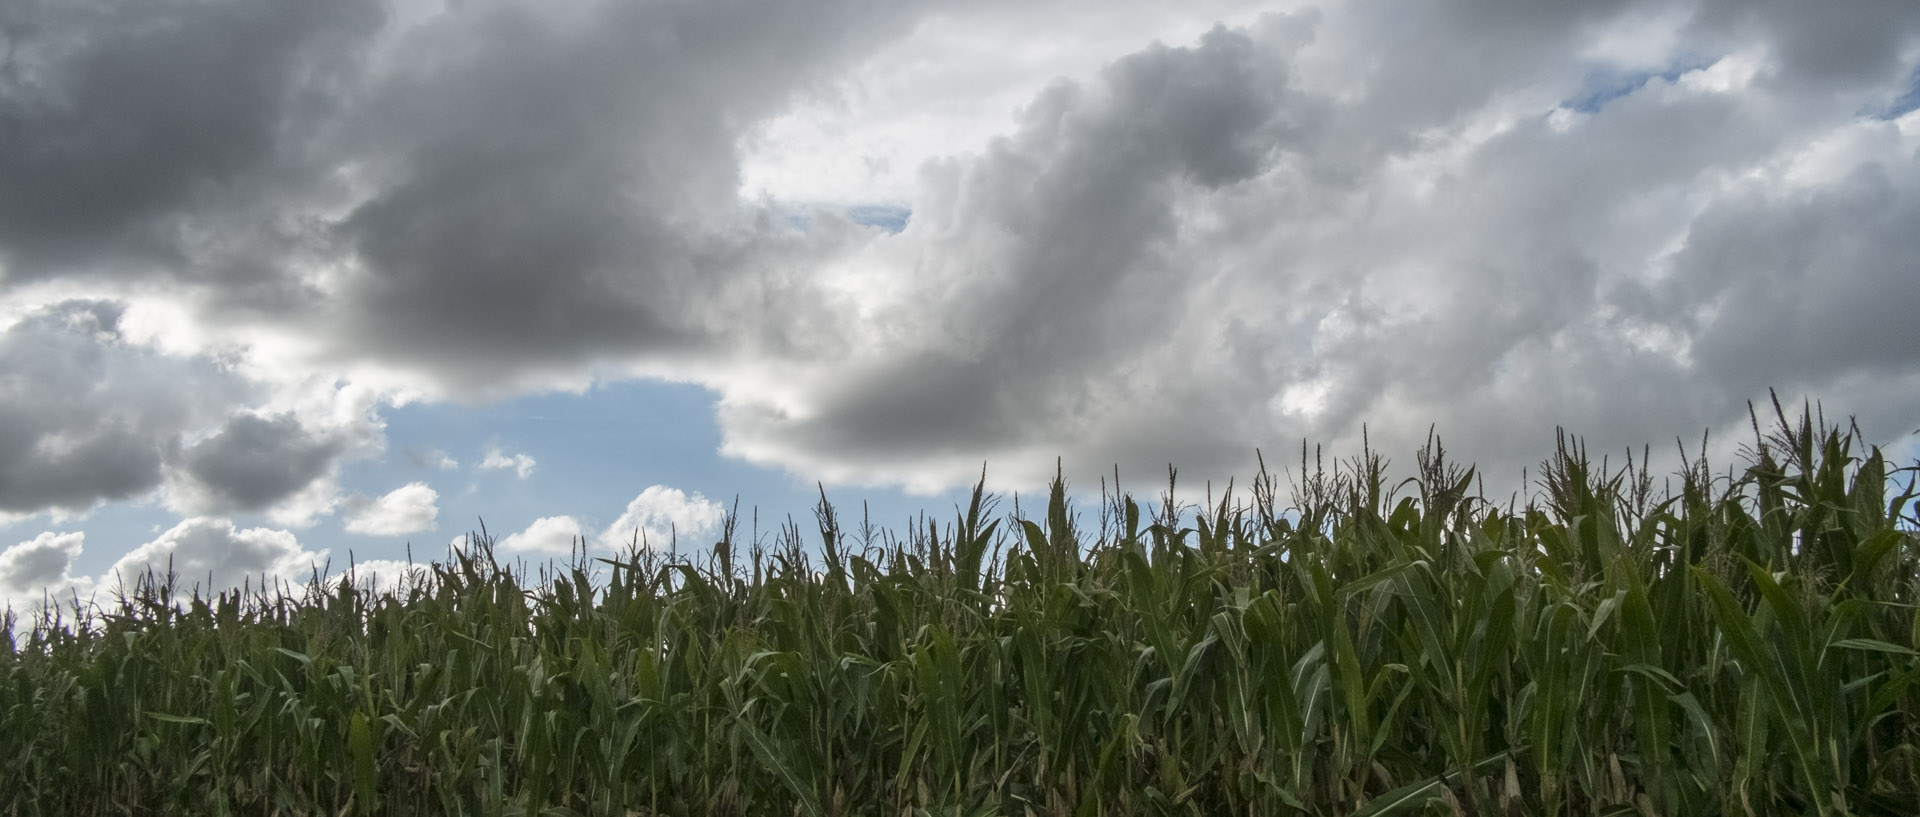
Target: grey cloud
(84,418)
(1112,286)
(39,572)
(1820,285)
(1359,214)
(1057,299)
(1442,58)
(119,119)
(1087,190)
(564,189)
(39,562)
(1827,45)
(915,404)
(253,462)
(488,197)
(515,190)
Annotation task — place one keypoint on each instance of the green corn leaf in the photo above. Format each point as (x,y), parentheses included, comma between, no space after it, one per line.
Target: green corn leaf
(771,758)
(1873,645)
(366,777)
(1403,800)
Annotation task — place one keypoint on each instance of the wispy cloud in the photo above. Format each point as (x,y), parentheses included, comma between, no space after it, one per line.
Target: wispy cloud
(520,464)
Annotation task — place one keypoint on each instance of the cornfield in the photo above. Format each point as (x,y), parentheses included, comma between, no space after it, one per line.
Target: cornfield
(1743,644)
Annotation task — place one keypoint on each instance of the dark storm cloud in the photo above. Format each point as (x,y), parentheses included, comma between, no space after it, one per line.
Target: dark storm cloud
(1083,197)
(1087,189)
(1822,45)
(923,402)
(563,187)
(254,461)
(83,418)
(1204,250)
(516,189)
(122,120)
(1823,283)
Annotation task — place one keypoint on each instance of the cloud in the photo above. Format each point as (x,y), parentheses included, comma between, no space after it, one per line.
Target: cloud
(1238,243)
(1035,262)
(85,415)
(407,509)
(130,121)
(661,514)
(93,411)
(554,535)
(336,213)
(1625,218)
(538,170)
(432,458)
(521,464)
(386,575)
(253,462)
(213,554)
(40,570)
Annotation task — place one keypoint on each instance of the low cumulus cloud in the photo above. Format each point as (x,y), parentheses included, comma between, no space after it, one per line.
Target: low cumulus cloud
(548,535)
(213,554)
(410,508)
(656,517)
(660,515)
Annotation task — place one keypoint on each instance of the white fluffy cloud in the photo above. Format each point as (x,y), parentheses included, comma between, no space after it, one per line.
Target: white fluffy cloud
(551,535)
(520,464)
(386,575)
(213,554)
(410,508)
(661,514)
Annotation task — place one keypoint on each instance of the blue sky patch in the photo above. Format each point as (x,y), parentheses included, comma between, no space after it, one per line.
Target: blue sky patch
(593,453)
(889,217)
(1606,85)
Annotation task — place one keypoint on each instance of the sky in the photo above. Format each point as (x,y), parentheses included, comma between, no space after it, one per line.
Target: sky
(288,284)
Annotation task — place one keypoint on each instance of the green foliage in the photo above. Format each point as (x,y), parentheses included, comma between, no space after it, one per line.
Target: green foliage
(1746,646)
